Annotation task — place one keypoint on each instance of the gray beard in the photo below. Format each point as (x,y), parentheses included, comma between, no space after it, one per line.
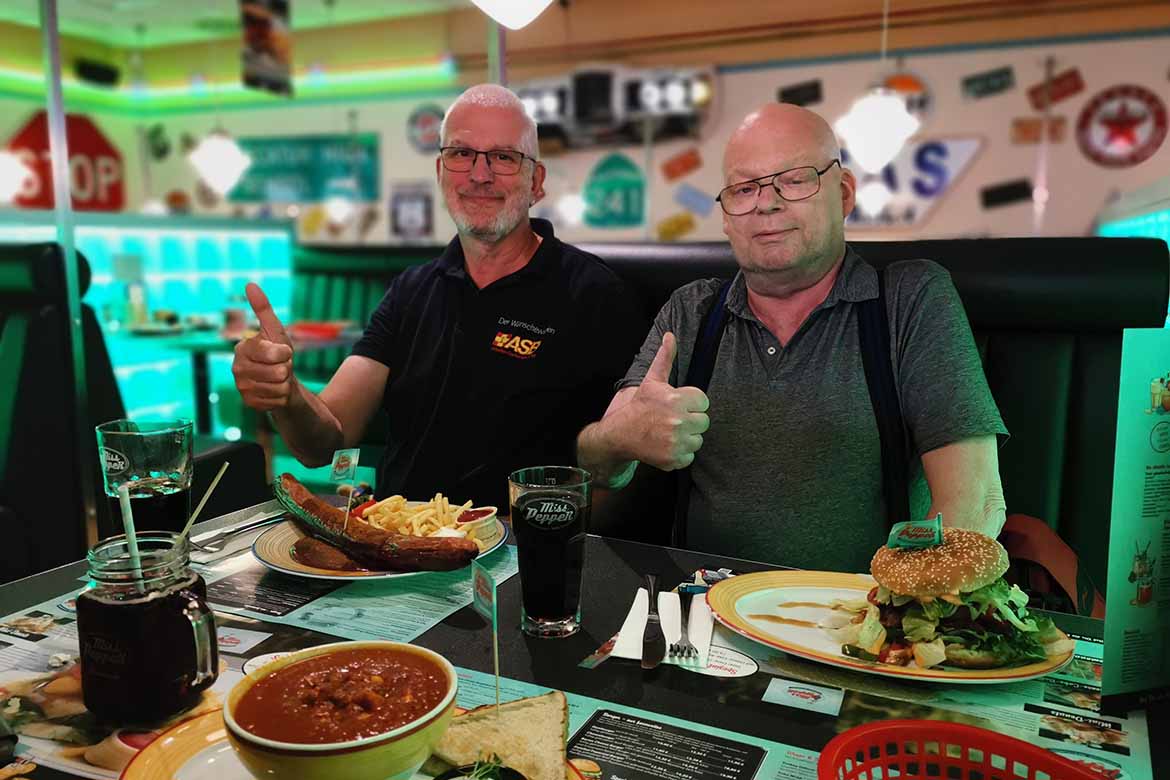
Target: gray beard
(496,230)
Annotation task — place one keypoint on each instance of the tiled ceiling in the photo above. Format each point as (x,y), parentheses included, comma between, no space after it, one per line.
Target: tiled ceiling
(163,22)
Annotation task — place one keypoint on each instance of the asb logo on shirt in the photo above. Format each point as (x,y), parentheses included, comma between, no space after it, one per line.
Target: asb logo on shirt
(514,346)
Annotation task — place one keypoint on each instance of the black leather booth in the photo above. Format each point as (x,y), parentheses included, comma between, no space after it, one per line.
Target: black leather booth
(1047,315)
(41,515)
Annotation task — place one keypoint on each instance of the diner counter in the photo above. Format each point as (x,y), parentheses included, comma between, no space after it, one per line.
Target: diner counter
(613,572)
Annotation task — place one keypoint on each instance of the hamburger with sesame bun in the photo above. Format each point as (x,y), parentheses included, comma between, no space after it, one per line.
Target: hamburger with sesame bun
(946,605)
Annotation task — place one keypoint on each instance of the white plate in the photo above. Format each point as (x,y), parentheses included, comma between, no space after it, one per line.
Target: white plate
(750,603)
(273,548)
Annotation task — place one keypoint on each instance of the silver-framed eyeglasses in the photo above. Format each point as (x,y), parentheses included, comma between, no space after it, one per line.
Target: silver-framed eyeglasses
(793,184)
(503,162)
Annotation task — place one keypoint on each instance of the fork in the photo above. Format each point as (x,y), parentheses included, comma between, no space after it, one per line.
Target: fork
(683,647)
(215,543)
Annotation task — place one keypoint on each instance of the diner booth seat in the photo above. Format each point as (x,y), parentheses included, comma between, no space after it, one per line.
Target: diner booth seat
(1047,314)
(41,504)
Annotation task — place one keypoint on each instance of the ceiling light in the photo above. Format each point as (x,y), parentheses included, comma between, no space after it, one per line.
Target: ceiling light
(339,209)
(873,196)
(13,172)
(700,91)
(651,95)
(876,128)
(513,14)
(676,94)
(219,161)
(571,208)
(153,208)
(549,103)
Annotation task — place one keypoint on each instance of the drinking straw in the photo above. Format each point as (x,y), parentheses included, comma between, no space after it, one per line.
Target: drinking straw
(202,501)
(131,535)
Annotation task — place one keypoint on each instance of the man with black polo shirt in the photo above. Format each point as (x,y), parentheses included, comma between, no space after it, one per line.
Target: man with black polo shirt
(487,359)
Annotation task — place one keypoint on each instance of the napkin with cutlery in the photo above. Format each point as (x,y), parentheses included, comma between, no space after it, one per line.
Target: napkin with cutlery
(232,542)
(699,628)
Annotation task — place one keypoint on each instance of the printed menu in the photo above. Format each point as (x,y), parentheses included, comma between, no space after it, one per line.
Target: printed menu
(397,609)
(1137,598)
(639,748)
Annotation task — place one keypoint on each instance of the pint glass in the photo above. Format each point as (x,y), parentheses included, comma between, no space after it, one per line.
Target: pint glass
(550,516)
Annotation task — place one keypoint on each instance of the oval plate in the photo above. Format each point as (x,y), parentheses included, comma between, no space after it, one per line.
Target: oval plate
(196,749)
(736,602)
(273,548)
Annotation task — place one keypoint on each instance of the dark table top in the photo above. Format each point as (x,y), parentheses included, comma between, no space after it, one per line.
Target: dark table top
(613,571)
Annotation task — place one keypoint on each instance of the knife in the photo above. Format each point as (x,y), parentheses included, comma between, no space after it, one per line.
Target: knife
(653,640)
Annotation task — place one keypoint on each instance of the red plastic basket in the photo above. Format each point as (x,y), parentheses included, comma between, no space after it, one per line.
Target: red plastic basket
(938,749)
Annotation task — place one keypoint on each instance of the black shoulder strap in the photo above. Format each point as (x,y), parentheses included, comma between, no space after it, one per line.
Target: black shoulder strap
(699,375)
(873,326)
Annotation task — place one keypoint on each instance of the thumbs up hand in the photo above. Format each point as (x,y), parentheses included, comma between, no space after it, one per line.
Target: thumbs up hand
(262,366)
(665,424)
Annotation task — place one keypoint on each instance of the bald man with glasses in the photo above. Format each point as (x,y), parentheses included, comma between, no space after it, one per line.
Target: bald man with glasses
(811,401)
(487,359)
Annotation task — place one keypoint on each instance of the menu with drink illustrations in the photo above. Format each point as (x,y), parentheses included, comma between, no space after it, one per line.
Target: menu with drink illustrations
(1137,599)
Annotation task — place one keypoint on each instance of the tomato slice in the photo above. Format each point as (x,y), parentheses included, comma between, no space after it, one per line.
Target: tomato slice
(357,510)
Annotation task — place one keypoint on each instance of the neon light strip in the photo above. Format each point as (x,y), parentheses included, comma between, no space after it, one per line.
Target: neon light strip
(308,86)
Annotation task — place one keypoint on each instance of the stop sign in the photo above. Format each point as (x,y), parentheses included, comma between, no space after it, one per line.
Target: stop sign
(95,165)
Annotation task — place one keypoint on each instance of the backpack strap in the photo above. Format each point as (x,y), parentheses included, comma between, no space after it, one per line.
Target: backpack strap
(873,327)
(699,372)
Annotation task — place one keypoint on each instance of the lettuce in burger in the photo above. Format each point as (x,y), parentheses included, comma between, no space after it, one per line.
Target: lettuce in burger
(945,605)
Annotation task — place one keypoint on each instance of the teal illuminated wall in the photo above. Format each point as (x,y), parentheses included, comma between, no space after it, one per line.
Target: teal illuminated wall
(191,266)
(1153,225)
(1156,224)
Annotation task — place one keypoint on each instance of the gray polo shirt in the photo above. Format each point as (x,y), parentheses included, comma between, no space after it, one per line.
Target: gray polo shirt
(790,470)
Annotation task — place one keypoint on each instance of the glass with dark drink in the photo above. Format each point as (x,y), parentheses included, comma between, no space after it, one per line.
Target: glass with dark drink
(154,460)
(550,517)
(147,636)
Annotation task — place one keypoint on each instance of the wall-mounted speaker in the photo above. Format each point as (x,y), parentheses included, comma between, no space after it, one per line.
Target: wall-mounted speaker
(95,72)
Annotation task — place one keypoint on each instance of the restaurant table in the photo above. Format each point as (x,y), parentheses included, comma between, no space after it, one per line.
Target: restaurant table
(613,571)
(201,345)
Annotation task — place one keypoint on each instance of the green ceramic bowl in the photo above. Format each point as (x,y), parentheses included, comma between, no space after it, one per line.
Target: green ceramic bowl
(395,755)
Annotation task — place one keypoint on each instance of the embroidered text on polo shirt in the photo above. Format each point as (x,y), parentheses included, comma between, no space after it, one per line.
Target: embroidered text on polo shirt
(514,346)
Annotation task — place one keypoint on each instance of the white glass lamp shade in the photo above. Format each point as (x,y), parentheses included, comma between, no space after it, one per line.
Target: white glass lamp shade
(219,161)
(513,14)
(876,128)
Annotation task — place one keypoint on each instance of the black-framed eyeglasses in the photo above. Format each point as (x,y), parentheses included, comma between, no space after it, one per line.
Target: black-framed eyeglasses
(503,162)
(793,184)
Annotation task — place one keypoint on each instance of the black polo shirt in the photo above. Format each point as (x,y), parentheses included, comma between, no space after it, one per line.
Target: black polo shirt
(485,381)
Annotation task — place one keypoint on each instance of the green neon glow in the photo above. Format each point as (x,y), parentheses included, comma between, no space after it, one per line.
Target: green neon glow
(1153,225)
(438,75)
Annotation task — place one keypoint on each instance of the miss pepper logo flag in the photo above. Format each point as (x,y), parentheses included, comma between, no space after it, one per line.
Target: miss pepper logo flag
(345,463)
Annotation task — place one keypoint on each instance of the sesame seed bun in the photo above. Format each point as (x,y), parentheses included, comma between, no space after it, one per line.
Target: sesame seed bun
(965,561)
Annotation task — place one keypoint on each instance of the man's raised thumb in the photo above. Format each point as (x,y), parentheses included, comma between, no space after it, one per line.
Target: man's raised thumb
(269,323)
(663,361)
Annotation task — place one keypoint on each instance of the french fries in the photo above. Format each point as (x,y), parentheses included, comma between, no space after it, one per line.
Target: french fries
(416,518)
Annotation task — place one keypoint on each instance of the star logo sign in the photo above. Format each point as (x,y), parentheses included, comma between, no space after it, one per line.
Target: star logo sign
(1122,126)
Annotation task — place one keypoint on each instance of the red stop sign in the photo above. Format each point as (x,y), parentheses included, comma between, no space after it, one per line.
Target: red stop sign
(95,165)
